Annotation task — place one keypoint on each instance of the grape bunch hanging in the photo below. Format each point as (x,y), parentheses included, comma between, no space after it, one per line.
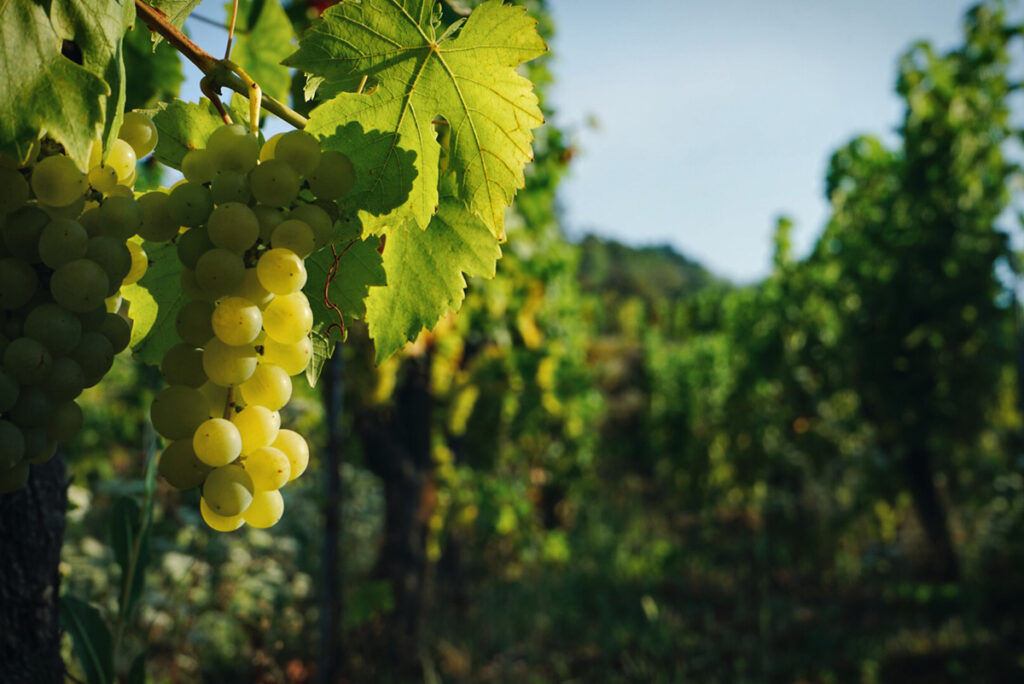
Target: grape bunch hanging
(69,242)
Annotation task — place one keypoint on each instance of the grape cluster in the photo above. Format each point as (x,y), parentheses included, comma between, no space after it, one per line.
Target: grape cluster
(67,245)
(249,217)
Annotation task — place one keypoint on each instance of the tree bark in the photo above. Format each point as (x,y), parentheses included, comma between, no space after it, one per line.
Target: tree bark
(31,535)
(932,513)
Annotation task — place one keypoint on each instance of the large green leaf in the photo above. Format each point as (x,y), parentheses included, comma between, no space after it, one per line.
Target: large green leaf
(46,93)
(176,10)
(153,303)
(90,638)
(425,274)
(126,524)
(184,126)
(265,40)
(465,75)
(153,71)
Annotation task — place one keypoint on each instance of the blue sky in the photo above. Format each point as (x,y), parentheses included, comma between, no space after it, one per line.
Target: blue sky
(714,117)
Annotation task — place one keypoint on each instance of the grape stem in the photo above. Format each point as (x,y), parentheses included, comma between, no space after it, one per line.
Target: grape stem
(221,75)
(229,403)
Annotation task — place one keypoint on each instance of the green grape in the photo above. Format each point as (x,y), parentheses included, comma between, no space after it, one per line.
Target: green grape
(329,207)
(190,286)
(21,232)
(67,421)
(251,289)
(112,304)
(140,263)
(294,446)
(281,271)
(269,218)
(65,381)
(103,178)
(90,220)
(18,282)
(258,427)
(123,160)
(13,479)
(269,387)
(157,223)
(33,408)
(180,467)
(54,327)
(288,319)
(113,257)
(189,204)
(94,355)
(268,467)
(267,151)
(193,244)
(193,323)
(220,523)
(333,177)
(236,321)
(295,236)
(9,391)
(71,211)
(139,132)
(226,365)
(219,272)
(80,285)
(197,166)
(121,217)
(318,221)
(15,191)
(57,181)
(116,329)
(39,448)
(266,509)
(300,150)
(233,148)
(230,186)
(216,397)
(93,318)
(233,226)
(27,360)
(217,442)
(12,445)
(183,365)
(61,241)
(124,190)
(274,183)
(177,411)
(292,357)
(228,490)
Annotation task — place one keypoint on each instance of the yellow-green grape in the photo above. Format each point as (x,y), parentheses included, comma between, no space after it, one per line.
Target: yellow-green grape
(180,467)
(217,442)
(15,190)
(193,323)
(122,159)
(177,411)
(80,285)
(197,166)
(190,286)
(233,148)
(94,355)
(117,329)
(193,244)
(139,132)
(230,186)
(125,190)
(18,282)
(183,365)
(54,327)
(269,218)
(21,231)
(157,224)
(42,447)
(292,357)
(216,398)
(103,178)
(318,221)
(61,241)
(220,523)
(57,181)
(236,321)
(226,365)
(13,479)
(269,387)
(66,381)
(266,509)
(300,150)
(288,319)
(258,426)
(28,361)
(120,217)
(10,389)
(268,467)
(140,263)
(294,235)
(294,446)
(219,271)
(189,204)
(267,151)
(113,257)
(233,226)
(12,445)
(66,421)
(274,183)
(251,289)
(333,177)
(228,490)
(281,271)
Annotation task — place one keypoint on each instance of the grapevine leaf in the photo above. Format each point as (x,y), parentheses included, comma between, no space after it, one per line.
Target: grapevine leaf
(153,303)
(425,274)
(184,126)
(124,528)
(90,637)
(260,50)
(137,672)
(176,10)
(412,77)
(45,93)
(153,71)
